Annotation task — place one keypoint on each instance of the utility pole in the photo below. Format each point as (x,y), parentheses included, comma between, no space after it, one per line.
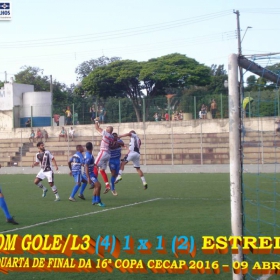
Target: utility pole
(51,90)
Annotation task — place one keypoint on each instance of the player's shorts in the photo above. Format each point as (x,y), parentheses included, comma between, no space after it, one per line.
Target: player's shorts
(115,164)
(134,157)
(102,159)
(77,177)
(47,174)
(91,176)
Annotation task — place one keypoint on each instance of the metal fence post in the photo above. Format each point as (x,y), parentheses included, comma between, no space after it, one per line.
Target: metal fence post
(120,112)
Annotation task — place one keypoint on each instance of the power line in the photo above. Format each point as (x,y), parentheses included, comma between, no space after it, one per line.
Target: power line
(113,34)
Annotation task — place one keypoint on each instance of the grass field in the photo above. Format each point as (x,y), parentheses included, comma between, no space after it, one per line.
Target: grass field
(174,205)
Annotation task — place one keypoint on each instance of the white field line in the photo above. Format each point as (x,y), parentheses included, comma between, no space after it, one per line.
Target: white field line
(78,216)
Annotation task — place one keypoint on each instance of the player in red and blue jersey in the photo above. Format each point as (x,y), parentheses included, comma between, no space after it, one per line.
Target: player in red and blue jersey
(90,176)
(75,165)
(115,160)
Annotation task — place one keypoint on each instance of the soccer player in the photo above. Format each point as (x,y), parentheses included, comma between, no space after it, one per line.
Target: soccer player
(134,156)
(3,205)
(115,160)
(75,165)
(45,159)
(90,176)
(104,154)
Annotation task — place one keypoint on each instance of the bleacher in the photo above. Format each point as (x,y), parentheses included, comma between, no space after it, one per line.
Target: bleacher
(164,149)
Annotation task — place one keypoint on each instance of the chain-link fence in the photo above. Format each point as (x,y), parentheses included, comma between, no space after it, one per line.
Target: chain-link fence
(120,110)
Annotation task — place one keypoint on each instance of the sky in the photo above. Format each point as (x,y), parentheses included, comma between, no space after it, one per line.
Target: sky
(57,36)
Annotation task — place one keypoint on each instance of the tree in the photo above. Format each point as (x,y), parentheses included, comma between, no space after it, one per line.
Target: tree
(137,80)
(32,76)
(117,79)
(172,71)
(86,67)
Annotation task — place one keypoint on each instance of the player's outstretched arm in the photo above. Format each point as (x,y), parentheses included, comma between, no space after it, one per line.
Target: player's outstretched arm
(124,135)
(96,124)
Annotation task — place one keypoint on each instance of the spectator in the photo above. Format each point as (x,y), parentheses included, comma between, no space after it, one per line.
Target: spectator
(56,119)
(93,113)
(181,116)
(71,133)
(155,116)
(62,134)
(32,136)
(203,111)
(39,135)
(28,123)
(166,116)
(45,135)
(102,114)
(76,118)
(176,116)
(213,108)
(68,114)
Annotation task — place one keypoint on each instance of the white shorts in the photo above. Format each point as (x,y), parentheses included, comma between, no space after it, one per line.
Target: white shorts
(134,157)
(47,174)
(102,159)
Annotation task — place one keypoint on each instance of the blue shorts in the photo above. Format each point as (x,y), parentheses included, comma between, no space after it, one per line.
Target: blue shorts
(92,178)
(115,164)
(77,177)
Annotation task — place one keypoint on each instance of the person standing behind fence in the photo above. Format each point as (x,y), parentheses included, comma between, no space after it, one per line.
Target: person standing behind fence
(93,113)
(102,114)
(68,114)
(56,119)
(213,108)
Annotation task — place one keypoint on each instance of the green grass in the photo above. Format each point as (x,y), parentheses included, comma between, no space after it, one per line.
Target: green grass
(174,205)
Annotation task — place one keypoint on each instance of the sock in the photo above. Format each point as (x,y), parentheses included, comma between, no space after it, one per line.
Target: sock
(93,198)
(113,183)
(54,189)
(98,199)
(74,191)
(104,176)
(84,185)
(40,185)
(4,207)
(120,172)
(143,179)
(95,171)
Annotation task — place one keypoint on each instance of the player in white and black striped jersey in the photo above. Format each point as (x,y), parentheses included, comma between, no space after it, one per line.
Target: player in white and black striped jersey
(45,159)
(134,156)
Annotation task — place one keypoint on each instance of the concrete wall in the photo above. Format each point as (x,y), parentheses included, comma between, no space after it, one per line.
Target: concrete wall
(174,127)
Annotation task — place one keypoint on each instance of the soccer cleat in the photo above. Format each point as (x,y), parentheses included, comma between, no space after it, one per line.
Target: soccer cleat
(91,186)
(114,192)
(107,189)
(57,199)
(119,178)
(100,204)
(12,221)
(95,202)
(44,193)
(72,199)
(145,186)
(81,196)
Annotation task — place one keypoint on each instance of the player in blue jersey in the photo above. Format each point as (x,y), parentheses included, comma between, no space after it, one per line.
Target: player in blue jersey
(115,160)
(4,207)
(75,165)
(90,176)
